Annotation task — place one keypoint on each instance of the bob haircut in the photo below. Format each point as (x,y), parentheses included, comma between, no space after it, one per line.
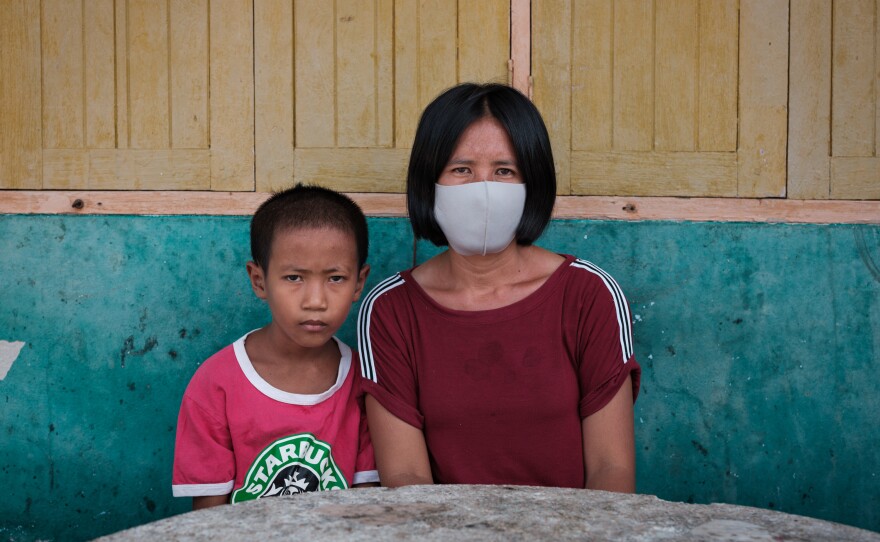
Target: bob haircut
(438,132)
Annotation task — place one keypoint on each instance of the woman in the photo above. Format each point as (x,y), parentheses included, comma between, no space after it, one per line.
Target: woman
(496,361)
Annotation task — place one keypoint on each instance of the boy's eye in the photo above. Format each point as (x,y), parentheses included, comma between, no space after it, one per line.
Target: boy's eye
(337,279)
(293,278)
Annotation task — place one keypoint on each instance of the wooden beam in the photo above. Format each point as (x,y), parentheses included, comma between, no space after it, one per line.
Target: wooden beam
(394,205)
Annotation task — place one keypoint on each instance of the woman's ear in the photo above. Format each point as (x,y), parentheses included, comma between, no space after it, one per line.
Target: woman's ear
(258,279)
(362,280)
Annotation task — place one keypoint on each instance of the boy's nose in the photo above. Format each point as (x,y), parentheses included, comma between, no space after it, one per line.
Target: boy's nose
(315,298)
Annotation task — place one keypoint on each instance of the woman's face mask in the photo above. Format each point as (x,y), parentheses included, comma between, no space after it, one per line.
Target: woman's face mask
(479,218)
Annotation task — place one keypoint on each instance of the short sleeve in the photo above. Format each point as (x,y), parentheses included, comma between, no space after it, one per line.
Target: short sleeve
(204,463)
(365,471)
(605,347)
(386,367)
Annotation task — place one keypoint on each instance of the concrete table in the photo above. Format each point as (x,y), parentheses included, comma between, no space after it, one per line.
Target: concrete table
(470,512)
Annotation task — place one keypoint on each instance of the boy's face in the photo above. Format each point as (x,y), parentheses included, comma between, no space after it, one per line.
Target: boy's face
(311,281)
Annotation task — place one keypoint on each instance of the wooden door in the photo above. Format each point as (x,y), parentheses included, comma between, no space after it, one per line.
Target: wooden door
(340,84)
(665,98)
(127,94)
(835,100)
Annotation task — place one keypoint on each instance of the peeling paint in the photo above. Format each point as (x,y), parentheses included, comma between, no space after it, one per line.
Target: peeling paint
(8,354)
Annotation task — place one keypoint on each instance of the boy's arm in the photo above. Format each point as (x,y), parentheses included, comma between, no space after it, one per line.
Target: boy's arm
(401,452)
(209,501)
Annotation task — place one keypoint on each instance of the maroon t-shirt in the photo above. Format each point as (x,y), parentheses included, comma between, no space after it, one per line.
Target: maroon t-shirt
(500,394)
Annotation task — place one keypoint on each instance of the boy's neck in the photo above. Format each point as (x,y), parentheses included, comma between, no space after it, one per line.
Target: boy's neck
(293,368)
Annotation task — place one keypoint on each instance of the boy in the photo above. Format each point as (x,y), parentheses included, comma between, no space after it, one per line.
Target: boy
(276,412)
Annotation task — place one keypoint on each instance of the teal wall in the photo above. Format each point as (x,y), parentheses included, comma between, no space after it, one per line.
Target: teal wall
(759,344)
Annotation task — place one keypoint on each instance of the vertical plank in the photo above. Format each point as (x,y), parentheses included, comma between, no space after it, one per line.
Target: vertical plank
(763,98)
(148,105)
(438,55)
(315,86)
(273,91)
(189,74)
(719,35)
(20,129)
(809,120)
(591,81)
(633,75)
(852,99)
(63,71)
(356,85)
(675,72)
(521,45)
(232,95)
(483,41)
(406,72)
(551,69)
(385,73)
(100,73)
(123,121)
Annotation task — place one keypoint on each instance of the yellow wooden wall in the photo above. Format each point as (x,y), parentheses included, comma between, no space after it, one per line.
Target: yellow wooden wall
(713,98)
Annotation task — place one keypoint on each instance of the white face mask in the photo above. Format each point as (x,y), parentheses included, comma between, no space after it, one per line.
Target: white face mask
(481,217)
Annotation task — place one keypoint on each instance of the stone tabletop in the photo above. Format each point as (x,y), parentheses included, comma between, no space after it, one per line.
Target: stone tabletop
(469,512)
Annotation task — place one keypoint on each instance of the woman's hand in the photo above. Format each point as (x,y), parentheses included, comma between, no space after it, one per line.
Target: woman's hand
(609,444)
(401,453)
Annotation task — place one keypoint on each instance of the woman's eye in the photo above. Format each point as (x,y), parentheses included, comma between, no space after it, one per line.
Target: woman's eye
(461,170)
(505,172)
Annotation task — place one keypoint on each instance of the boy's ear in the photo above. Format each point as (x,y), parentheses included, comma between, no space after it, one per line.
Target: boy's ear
(362,279)
(258,279)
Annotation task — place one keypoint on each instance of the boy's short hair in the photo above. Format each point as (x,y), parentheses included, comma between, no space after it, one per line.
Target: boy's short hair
(441,126)
(305,206)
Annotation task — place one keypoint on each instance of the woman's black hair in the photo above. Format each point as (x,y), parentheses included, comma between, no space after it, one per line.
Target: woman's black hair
(441,126)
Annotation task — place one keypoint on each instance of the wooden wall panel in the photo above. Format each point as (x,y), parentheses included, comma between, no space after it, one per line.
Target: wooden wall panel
(718,60)
(62,74)
(99,67)
(853,100)
(676,69)
(633,107)
(315,81)
(484,41)
(188,71)
(592,91)
(20,106)
(149,104)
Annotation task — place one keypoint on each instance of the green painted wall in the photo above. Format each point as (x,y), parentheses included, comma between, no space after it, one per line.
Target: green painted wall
(759,345)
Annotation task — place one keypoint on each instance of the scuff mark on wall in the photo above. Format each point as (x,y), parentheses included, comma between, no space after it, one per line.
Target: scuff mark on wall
(8,354)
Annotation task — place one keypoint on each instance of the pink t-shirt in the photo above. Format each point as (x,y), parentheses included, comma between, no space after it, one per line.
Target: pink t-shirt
(500,394)
(238,434)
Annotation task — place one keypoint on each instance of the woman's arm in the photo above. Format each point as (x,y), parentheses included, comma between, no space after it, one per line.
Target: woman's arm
(401,453)
(609,444)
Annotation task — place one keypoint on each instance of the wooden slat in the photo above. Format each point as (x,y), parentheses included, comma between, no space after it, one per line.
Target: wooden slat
(314,59)
(394,205)
(189,74)
(809,121)
(438,55)
(148,91)
(273,90)
(134,169)
(675,73)
(852,100)
(483,40)
(123,126)
(591,80)
(232,95)
(63,71)
(100,75)
(719,35)
(521,45)
(353,170)
(855,178)
(654,173)
(384,73)
(633,75)
(356,84)
(20,108)
(763,72)
(407,102)
(551,68)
